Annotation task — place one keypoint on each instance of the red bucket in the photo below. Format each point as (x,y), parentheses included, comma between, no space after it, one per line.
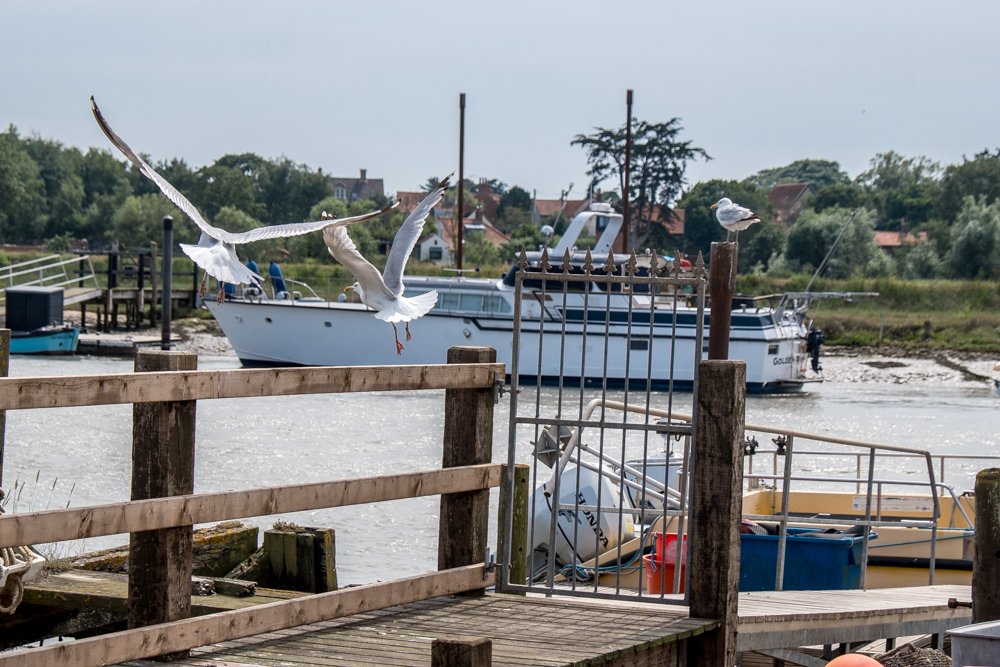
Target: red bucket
(665,548)
(660,576)
(660,565)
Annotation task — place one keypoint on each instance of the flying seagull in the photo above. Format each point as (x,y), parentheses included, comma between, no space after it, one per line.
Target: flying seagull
(733,217)
(384,292)
(215,251)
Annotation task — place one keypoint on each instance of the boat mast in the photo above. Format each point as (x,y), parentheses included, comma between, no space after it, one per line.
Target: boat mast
(627,176)
(822,265)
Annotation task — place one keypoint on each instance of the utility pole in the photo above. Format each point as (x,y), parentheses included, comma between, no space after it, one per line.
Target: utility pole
(460,211)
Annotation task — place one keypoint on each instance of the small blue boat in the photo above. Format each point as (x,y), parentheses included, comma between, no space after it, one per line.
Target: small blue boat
(45,340)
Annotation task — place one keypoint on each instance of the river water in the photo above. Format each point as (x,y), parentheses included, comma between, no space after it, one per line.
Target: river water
(81,456)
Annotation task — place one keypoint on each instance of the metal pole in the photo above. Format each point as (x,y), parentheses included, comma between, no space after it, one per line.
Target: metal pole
(627,179)
(165,300)
(460,215)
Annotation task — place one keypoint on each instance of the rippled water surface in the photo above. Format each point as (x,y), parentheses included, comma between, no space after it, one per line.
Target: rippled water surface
(81,456)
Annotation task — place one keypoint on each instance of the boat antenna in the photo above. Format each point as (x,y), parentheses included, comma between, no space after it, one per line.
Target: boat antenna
(840,234)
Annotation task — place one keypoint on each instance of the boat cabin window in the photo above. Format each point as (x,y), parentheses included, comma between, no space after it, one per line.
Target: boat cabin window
(638,344)
(473,304)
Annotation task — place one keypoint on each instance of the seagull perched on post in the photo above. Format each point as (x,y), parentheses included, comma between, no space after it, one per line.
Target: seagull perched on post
(215,251)
(733,217)
(383,292)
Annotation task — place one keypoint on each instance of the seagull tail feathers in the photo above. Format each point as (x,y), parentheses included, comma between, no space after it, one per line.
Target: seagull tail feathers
(218,265)
(408,309)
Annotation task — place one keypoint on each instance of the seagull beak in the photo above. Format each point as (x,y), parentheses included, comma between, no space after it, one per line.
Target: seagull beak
(714,206)
(349,288)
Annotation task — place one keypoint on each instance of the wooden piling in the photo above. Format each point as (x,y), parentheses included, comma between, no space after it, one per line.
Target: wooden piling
(518,572)
(721,288)
(301,559)
(714,540)
(4,370)
(462,652)
(159,582)
(468,440)
(986,562)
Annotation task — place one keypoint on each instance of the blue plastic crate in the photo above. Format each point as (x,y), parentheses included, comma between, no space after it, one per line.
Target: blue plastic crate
(813,560)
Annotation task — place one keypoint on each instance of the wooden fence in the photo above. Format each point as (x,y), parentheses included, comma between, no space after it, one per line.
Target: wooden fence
(164,396)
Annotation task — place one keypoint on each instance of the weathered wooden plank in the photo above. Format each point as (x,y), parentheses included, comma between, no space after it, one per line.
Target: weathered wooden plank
(159,581)
(513,510)
(23,393)
(462,652)
(522,633)
(83,589)
(116,518)
(986,565)
(186,634)
(463,525)
(845,616)
(714,540)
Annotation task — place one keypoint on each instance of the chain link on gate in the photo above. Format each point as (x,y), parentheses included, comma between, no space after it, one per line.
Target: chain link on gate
(602,350)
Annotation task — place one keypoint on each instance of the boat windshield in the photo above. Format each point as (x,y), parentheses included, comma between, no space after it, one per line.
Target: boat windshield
(469,303)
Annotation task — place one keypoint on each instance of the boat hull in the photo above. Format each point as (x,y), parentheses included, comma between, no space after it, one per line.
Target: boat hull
(57,341)
(318,333)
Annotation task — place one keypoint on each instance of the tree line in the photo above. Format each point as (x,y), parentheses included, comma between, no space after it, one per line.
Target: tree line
(57,194)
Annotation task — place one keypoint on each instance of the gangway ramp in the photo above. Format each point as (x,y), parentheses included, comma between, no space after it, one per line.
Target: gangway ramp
(75,275)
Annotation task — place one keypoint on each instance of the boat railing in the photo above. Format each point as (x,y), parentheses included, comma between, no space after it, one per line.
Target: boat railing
(864,479)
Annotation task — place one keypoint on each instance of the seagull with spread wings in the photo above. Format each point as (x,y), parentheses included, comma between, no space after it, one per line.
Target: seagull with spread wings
(215,251)
(733,217)
(383,292)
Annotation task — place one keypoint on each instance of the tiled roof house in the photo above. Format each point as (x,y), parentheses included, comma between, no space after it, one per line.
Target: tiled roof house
(350,189)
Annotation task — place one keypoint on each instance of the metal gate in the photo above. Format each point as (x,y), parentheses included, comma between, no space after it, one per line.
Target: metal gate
(602,350)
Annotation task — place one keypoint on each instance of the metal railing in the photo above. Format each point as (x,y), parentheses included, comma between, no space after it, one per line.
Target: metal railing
(581,331)
(48,271)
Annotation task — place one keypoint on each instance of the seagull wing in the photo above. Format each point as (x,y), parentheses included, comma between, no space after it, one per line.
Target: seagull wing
(344,251)
(406,238)
(299,228)
(734,213)
(171,193)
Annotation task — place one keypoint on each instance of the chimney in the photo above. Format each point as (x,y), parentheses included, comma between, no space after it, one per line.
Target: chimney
(363,174)
(484,189)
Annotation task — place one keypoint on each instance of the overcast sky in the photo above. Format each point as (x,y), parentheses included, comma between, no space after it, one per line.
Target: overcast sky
(375,85)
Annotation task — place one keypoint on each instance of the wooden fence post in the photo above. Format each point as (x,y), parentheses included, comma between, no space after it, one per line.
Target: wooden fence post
(518,572)
(721,287)
(4,370)
(468,440)
(159,571)
(986,563)
(462,652)
(714,541)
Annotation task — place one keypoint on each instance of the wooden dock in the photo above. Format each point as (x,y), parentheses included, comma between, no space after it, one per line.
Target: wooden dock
(773,622)
(524,631)
(545,631)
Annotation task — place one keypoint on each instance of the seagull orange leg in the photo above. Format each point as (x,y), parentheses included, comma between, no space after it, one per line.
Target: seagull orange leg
(408,336)
(399,346)
(204,287)
(221,296)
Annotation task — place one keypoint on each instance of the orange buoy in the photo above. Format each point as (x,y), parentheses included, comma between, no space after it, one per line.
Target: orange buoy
(854,660)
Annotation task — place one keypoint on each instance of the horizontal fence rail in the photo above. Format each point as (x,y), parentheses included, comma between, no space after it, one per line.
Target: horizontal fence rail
(464,480)
(24,393)
(168,512)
